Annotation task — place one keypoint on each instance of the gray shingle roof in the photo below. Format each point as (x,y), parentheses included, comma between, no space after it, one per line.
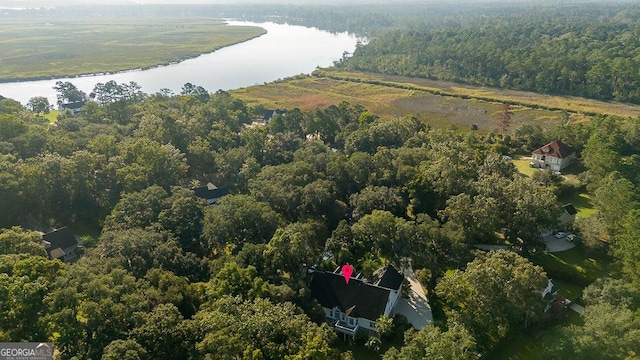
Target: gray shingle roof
(60,238)
(570,209)
(388,277)
(358,298)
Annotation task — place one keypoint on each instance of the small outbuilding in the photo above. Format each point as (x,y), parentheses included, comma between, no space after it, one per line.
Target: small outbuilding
(567,217)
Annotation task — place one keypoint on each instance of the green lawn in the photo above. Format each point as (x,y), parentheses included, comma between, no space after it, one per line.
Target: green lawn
(52,116)
(526,347)
(573,266)
(582,202)
(35,48)
(523,166)
(568,289)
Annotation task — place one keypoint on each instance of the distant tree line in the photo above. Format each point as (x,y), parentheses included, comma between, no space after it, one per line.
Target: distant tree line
(589,52)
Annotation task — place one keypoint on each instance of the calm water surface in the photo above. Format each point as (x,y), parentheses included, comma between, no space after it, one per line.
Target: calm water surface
(284,51)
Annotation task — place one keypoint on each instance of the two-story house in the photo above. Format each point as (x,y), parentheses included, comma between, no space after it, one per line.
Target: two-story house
(556,156)
(358,304)
(61,244)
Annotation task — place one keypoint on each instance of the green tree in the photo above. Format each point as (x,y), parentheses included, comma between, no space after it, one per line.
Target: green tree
(600,158)
(282,187)
(197,92)
(18,241)
(238,219)
(144,162)
(162,333)
(39,104)
(68,93)
(617,292)
(494,295)
(627,246)
(124,350)
(138,251)
(259,329)
(382,234)
(292,246)
(609,332)
(377,198)
(456,343)
(341,245)
(384,326)
(593,232)
(615,198)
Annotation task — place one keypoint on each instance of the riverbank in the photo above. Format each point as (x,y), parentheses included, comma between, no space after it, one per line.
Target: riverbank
(36,49)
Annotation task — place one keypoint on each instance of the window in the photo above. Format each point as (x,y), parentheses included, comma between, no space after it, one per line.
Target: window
(352,321)
(372,324)
(331,313)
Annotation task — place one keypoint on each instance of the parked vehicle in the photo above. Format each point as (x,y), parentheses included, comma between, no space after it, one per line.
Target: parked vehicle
(560,235)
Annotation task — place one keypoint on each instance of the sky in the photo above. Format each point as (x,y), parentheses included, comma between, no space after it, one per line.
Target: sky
(47,3)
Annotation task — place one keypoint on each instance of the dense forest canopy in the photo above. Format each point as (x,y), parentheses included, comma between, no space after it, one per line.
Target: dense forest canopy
(338,180)
(588,51)
(165,276)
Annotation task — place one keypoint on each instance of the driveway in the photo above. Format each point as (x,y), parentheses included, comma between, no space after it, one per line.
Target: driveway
(416,308)
(557,245)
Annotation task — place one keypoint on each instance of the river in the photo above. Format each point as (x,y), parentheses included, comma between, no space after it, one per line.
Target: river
(285,50)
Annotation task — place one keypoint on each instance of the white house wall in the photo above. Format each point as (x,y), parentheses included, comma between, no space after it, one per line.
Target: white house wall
(391,302)
(361,322)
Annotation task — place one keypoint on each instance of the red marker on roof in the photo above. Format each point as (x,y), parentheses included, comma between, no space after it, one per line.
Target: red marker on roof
(347,270)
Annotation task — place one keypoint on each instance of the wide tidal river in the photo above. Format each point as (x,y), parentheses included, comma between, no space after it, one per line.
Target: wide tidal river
(284,51)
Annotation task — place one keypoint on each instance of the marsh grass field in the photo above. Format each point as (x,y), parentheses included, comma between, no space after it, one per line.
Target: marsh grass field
(42,48)
(310,92)
(438,103)
(525,99)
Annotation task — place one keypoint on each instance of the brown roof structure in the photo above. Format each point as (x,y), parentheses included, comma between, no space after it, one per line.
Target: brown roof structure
(556,149)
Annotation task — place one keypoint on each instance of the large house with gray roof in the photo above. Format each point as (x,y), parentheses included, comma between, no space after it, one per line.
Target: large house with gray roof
(358,304)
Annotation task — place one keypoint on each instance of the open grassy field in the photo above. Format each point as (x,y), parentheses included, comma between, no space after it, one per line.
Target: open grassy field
(523,98)
(42,48)
(438,103)
(308,92)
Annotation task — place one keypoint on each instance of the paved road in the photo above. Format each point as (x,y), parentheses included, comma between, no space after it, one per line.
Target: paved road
(416,308)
